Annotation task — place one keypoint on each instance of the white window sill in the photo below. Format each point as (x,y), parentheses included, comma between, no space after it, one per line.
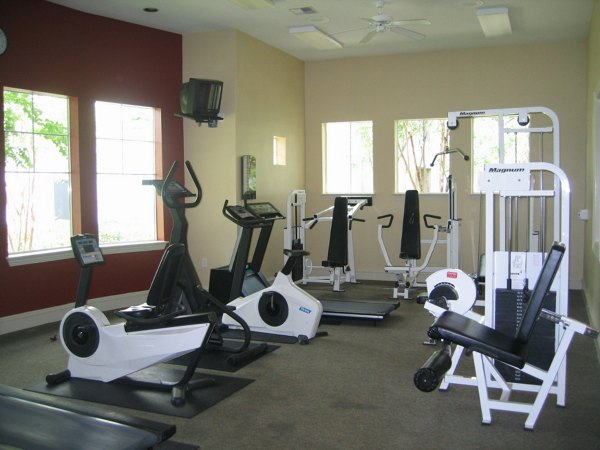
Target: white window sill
(23,259)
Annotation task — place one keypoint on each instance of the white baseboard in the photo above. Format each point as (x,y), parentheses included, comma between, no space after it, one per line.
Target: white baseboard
(17,322)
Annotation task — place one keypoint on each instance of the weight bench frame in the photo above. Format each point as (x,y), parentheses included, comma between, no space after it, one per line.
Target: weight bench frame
(407,275)
(488,345)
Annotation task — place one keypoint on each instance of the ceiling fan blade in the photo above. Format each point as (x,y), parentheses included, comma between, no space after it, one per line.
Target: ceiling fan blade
(349,31)
(368,37)
(407,33)
(411,22)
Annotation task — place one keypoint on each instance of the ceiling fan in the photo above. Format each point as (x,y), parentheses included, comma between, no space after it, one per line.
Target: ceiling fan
(382,22)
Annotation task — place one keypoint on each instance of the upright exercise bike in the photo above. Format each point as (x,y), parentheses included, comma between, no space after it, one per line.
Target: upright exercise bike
(283,308)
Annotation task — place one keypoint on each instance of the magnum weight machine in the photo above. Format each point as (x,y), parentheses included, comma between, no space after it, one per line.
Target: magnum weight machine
(511,309)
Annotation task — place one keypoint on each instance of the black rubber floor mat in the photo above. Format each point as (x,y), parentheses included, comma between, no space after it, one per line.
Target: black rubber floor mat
(145,399)
(213,359)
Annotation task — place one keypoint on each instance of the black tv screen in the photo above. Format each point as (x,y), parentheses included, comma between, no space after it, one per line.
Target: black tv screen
(201,99)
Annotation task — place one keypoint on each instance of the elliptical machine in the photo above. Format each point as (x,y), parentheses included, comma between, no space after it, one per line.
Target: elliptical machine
(193,296)
(283,308)
(154,332)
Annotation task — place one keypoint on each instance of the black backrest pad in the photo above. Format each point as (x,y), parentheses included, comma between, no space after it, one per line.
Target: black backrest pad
(410,244)
(337,254)
(542,286)
(164,283)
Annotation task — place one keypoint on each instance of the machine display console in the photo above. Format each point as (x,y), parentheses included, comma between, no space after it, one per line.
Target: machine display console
(240,213)
(86,250)
(175,189)
(265,210)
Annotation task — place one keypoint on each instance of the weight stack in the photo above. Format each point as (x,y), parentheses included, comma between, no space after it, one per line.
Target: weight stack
(298,270)
(509,311)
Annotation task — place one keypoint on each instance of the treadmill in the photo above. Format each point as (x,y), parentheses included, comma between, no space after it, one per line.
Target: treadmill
(243,277)
(337,256)
(357,309)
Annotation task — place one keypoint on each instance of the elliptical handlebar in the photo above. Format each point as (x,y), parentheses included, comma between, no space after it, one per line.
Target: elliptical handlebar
(166,189)
(192,173)
(386,216)
(431,216)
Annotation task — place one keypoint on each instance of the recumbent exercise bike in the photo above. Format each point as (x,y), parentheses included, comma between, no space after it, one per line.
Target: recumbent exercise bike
(154,332)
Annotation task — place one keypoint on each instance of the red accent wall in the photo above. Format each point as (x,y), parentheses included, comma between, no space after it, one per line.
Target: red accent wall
(60,50)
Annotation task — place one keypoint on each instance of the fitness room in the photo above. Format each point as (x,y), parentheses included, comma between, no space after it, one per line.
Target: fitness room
(322,224)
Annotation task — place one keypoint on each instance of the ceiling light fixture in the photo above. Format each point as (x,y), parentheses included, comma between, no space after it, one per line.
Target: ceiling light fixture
(494,21)
(254,4)
(150,10)
(315,37)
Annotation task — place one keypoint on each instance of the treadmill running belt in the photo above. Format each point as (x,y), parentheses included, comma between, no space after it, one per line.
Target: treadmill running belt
(357,309)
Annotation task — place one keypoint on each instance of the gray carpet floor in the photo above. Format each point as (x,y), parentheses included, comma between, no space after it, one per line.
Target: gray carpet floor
(353,389)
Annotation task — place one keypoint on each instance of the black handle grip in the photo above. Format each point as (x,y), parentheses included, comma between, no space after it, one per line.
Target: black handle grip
(196,184)
(430,216)
(386,216)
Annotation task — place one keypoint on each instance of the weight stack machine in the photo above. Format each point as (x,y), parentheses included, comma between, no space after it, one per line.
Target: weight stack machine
(512,271)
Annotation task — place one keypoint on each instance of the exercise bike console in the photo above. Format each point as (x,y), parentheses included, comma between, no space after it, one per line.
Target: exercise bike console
(86,250)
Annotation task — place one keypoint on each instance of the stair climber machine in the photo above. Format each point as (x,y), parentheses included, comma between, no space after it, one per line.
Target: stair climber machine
(281,309)
(192,295)
(154,332)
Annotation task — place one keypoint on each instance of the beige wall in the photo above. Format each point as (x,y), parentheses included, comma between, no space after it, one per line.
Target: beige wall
(263,96)
(384,89)
(592,257)
(267,92)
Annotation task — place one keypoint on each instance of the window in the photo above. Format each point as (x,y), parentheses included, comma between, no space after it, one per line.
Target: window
(279,151)
(348,157)
(125,156)
(418,141)
(38,174)
(486,144)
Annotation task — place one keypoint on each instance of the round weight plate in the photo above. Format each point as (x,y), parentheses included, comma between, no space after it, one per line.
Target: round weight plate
(80,335)
(445,290)
(273,308)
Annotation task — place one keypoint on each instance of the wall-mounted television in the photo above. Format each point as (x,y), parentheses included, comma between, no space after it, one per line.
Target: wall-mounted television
(200,100)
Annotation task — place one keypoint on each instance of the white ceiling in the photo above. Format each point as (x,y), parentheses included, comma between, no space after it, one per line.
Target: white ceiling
(454,23)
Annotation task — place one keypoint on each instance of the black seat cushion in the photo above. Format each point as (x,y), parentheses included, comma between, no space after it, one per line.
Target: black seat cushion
(410,242)
(474,336)
(143,311)
(337,254)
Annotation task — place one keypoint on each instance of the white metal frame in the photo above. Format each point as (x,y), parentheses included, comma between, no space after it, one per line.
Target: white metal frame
(338,275)
(497,182)
(523,117)
(407,275)
(485,371)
